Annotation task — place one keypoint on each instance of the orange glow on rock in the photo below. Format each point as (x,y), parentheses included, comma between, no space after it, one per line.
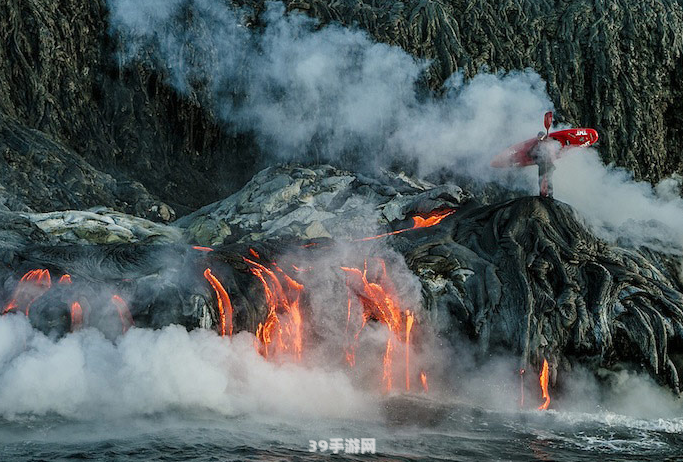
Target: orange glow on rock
(202,249)
(32,286)
(223,302)
(544,385)
(419,221)
(124,313)
(423,379)
(65,279)
(76,316)
(281,332)
(409,325)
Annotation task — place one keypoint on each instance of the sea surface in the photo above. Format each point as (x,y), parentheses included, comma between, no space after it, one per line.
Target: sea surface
(465,434)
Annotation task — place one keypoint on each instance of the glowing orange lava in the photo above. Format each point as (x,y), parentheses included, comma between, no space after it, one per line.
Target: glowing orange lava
(202,249)
(379,303)
(419,221)
(76,316)
(223,301)
(66,279)
(544,385)
(124,313)
(409,325)
(32,286)
(423,379)
(282,330)
(254,253)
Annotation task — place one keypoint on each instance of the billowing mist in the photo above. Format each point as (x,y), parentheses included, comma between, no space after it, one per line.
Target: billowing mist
(332,94)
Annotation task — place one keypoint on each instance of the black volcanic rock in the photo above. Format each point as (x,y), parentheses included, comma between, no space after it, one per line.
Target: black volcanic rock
(523,277)
(527,276)
(37,173)
(608,64)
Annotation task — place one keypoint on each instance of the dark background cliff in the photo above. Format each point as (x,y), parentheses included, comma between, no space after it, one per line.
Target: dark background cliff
(79,129)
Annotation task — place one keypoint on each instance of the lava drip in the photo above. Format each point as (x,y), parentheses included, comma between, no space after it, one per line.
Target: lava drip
(379,303)
(409,325)
(65,279)
(76,316)
(281,332)
(32,286)
(124,313)
(223,302)
(544,385)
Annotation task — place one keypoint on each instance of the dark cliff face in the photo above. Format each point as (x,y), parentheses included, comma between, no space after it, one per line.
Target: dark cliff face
(613,65)
(608,64)
(60,76)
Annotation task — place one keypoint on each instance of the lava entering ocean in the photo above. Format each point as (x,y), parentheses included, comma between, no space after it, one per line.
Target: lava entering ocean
(376,295)
(281,332)
(222,301)
(543,379)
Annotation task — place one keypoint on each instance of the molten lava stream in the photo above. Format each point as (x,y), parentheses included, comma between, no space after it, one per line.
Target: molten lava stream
(409,326)
(76,316)
(65,279)
(379,303)
(32,286)
(124,313)
(223,302)
(202,249)
(419,221)
(544,385)
(281,332)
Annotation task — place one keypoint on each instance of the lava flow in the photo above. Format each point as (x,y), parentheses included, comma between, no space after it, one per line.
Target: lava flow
(124,313)
(76,316)
(419,221)
(223,302)
(379,303)
(282,330)
(409,325)
(31,287)
(65,279)
(544,385)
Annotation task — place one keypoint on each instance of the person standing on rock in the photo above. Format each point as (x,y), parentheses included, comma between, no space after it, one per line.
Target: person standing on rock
(544,154)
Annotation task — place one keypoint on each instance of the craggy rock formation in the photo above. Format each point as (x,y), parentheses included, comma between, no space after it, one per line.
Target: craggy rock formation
(319,203)
(528,276)
(40,174)
(60,77)
(610,64)
(525,277)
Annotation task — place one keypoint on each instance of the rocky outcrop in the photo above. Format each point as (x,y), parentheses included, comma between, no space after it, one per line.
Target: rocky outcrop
(60,81)
(40,174)
(524,277)
(319,203)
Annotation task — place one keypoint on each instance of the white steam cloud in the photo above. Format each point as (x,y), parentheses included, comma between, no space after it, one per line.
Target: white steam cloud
(325,93)
(331,93)
(85,376)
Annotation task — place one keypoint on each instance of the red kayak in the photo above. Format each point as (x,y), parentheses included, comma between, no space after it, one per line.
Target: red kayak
(518,155)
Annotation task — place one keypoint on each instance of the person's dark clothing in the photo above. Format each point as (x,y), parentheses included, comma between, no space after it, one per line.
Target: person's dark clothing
(543,155)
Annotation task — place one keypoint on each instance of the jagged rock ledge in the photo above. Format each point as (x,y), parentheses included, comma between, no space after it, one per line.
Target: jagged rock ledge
(524,276)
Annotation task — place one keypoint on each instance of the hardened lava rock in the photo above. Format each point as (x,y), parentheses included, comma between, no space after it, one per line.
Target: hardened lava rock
(527,276)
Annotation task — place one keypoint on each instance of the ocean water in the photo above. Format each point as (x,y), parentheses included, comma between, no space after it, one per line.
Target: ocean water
(175,395)
(473,435)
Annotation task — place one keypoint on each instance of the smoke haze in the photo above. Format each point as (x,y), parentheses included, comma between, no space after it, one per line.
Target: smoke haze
(332,94)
